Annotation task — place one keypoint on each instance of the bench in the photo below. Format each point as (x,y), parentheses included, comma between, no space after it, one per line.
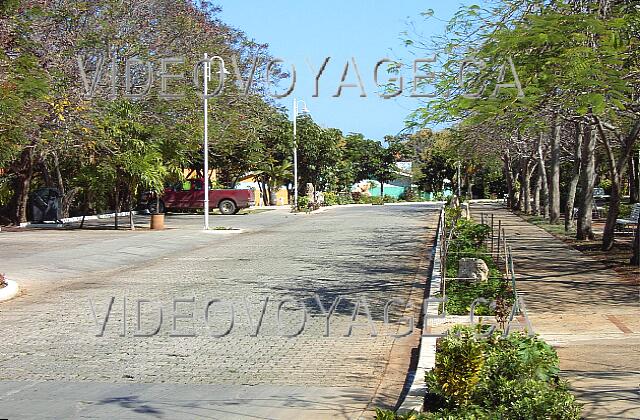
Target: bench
(632,220)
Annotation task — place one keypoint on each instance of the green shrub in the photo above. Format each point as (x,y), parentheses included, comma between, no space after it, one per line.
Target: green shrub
(469,234)
(625,210)
(345,198)
(458,369)
(367,199)
(411,194)
(461,295)
(496,377)
(390,199)
(606,184)
(304,204)
(390,415)
(5,192)
(331,199)
(451,215)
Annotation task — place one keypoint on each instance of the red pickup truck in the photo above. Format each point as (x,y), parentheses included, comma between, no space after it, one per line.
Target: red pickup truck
(189,195)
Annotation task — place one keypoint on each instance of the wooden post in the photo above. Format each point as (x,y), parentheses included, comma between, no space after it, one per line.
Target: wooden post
(482,218)
(498,247)
(636,245)
(506,254)
(492,235)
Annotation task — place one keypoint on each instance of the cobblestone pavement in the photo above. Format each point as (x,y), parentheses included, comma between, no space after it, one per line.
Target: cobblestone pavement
(52,358)
(586,311)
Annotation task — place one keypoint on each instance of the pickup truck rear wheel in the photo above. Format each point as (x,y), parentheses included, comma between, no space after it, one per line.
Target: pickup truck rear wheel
(227,207)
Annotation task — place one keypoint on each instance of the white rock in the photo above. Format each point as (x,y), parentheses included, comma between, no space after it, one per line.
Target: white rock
(473,268)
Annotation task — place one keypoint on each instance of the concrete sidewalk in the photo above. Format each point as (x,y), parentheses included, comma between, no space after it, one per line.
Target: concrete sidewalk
(589,313)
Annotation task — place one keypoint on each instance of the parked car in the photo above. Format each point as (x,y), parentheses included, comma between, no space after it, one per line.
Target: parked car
(189,195)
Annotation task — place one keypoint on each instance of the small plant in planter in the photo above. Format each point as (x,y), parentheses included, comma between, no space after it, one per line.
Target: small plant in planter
(377,201)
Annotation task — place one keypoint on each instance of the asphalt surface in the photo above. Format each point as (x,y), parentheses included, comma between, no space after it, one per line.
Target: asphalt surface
(59,362)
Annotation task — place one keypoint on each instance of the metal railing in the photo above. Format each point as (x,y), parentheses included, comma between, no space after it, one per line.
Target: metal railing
(498,248)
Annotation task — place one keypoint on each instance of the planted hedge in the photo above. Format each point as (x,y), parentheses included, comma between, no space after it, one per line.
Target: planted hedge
(469,241)
(494,377)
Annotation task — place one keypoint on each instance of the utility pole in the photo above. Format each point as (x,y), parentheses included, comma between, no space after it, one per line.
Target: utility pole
(295,153)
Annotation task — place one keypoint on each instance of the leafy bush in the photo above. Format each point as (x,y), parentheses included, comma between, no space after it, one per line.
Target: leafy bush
(5,192)
(367,199)
(606,185)
(331,199)
(495,377)
(469,234)
(625,210)
(390,415)
(461,295)
(390,199)
(344,199)
(451,215)
(304,204)
(411,194)
(458,369)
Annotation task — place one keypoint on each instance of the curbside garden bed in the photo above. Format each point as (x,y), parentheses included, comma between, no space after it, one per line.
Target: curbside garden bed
(482,371)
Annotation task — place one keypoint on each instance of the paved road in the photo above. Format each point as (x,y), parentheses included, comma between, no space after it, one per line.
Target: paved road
(54,365)
(585,310)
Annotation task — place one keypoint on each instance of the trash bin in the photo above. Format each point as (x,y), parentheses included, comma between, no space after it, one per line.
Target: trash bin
(46,205)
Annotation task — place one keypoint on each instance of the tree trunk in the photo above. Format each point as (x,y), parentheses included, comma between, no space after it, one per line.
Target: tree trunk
(508,176)
(617,168)
(526,187)
(23,171)
(573,183)
(608,235)
(117,209)
(634,179)
(554,181)
(587,183)
(521,190)
(543,179)
(536,197)
(44,170)
(273,195)
(382,189)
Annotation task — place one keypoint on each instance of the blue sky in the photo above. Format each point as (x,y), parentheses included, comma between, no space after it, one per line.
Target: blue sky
(302,31)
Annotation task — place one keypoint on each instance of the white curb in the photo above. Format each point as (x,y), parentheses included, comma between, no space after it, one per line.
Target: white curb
(77,219)
(415,398)
(10,291)
(223,231)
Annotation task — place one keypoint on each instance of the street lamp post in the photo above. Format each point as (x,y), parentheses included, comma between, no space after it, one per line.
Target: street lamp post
(206,75)
(295,147)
